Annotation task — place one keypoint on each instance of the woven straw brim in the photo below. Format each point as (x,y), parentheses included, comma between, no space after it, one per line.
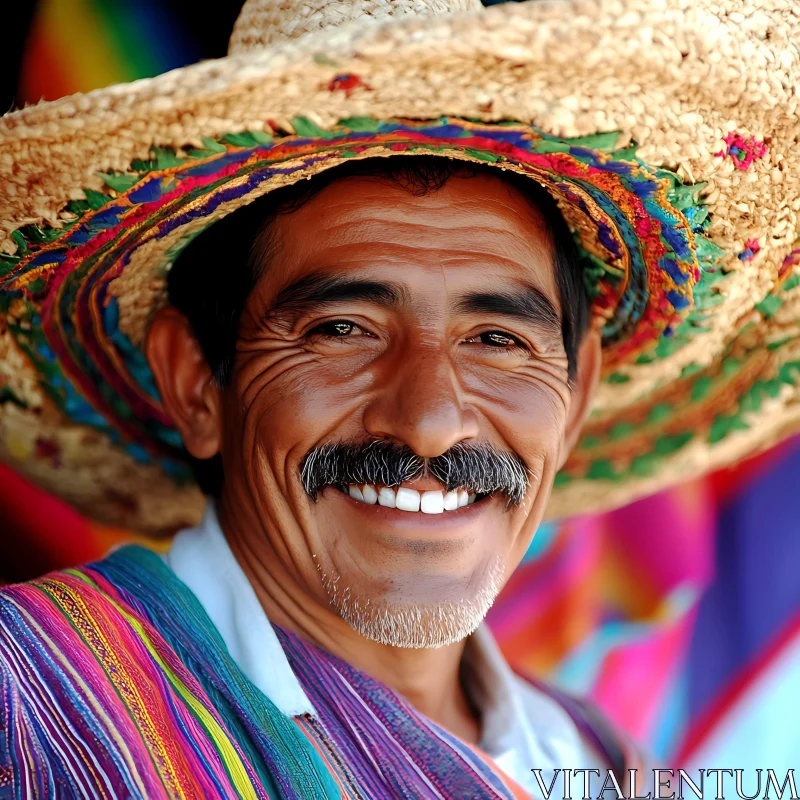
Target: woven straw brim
(707,90)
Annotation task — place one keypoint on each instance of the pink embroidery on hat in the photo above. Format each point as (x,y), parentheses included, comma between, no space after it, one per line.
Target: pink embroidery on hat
(743,151)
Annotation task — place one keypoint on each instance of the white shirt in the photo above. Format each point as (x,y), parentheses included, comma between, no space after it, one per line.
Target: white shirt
(522,727)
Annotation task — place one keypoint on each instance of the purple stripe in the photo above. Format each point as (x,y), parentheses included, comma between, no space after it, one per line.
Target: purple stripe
(391,747)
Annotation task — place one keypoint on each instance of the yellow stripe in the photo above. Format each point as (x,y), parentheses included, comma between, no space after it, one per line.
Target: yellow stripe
(119,676)
(88,694)
(238,772)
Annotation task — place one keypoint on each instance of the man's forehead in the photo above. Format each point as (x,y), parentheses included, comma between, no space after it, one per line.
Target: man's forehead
(471,222)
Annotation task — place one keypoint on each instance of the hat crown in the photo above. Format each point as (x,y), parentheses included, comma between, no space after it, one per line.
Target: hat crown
(265,22)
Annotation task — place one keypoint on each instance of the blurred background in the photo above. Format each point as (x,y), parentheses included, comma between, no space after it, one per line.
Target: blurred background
(679,615)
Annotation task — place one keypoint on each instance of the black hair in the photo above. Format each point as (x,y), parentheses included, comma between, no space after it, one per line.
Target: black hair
(213,276)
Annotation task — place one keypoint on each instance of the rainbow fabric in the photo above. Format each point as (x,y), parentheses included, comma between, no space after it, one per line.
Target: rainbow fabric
(115,683)
(80,45)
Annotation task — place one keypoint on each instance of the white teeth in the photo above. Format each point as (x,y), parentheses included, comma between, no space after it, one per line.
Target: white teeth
(451,501)
(404,499)
(407,499)
(386,497)
(432,502)
(370,495)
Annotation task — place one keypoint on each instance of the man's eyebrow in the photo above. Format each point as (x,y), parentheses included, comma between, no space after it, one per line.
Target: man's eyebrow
(312,291)
(528,304)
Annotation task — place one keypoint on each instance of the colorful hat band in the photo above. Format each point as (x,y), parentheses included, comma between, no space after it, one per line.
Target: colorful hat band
(631,222)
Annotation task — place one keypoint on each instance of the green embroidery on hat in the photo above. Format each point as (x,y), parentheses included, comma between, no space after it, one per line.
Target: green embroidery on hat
(731,366)
(666,445)
(779,343)
(210,148)
(20,241)
(482,156)
(562,479)
(7,263)
(95,199)
(305,127)
(162,158)
(621,430)
(708,253)
(791,283)
(361,124)
(789,372)
(659,413)
(120,182)
(549,146)
(644,465)
(704,302)
(683,197)
(670,344)
(34,234)
(248,139)
(702,386)
(690,369)
(723,425)
(769,305)
(617,377)
(602,469)
(36,285)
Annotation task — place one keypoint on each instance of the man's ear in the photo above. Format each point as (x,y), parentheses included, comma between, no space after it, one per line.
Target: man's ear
(590,358)
(190,396)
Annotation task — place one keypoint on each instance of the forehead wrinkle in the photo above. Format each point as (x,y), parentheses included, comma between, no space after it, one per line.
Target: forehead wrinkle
(408,240)
(454,230)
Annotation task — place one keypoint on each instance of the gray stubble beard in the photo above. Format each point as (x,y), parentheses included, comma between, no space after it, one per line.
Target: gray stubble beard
(420,626)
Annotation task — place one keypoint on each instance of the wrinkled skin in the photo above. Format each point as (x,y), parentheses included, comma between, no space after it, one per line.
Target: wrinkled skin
(417,368)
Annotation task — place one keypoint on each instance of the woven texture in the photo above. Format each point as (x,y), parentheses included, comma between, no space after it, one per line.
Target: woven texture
(702,360)
(267,22)
(117,665)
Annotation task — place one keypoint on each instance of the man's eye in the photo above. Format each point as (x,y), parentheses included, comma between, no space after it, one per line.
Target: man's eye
(495,339)
(337,328)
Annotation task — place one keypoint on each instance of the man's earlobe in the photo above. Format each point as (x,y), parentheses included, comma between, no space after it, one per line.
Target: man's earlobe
(189,394)
(590,359)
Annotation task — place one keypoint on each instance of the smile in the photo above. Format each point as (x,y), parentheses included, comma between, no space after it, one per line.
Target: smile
(405,499)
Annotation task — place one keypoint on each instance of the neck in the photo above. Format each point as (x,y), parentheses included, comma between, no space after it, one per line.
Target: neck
(428,678)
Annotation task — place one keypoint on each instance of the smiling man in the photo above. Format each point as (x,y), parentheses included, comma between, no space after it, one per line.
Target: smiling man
(371,334)
(398,390)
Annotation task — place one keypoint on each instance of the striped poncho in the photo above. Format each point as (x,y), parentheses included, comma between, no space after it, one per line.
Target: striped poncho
(115,684)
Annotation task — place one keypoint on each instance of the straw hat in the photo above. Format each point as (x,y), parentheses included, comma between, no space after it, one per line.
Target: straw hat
(667,130)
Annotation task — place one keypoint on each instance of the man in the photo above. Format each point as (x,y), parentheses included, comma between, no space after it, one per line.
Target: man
(377,374)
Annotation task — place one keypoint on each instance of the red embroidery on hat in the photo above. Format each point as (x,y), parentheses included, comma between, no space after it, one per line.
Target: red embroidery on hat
(48,450)
(347,83)
(751,247)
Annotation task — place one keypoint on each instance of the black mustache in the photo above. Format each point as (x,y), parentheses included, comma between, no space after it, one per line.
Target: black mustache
(478,468)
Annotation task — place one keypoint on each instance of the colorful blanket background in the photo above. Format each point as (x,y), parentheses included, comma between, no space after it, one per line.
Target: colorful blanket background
(679,615)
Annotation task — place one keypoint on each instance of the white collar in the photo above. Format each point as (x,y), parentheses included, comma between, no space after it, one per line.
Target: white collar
(202,559)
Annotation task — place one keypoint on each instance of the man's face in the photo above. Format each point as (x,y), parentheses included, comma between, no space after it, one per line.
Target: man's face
(428,322)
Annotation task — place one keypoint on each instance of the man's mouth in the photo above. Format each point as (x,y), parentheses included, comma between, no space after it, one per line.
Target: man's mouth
(406,499)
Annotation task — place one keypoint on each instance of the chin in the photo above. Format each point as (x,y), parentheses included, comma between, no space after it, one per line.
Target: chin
(420,610)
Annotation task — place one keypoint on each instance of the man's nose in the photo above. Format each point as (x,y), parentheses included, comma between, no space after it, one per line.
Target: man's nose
(421,404)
